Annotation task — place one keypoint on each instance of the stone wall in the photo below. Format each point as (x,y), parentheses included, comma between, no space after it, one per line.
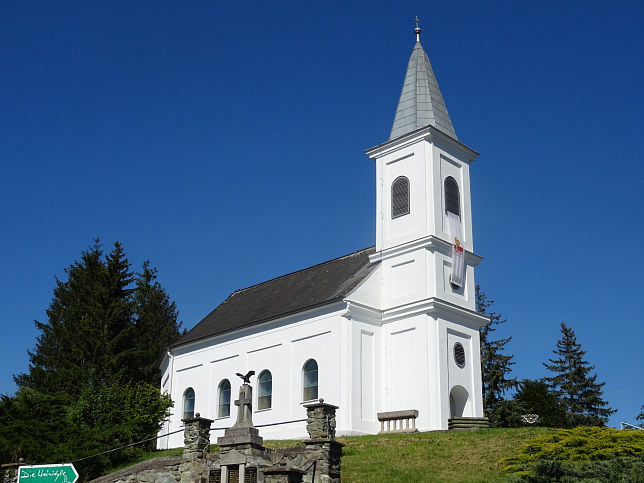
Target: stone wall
(9,472)
(242,456)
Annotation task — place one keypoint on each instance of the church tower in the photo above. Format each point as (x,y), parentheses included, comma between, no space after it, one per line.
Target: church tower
(426,254)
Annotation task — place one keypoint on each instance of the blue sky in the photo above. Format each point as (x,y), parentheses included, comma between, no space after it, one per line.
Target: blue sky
(225,144)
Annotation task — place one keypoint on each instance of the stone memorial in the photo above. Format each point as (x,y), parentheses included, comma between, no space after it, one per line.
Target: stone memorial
(242,457)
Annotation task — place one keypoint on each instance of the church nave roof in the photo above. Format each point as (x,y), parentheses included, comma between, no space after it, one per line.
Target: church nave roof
(312,287)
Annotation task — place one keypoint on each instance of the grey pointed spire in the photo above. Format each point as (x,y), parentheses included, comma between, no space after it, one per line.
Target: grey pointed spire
(421,103)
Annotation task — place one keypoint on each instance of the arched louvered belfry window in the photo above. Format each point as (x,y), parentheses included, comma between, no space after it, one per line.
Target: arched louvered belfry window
(189,403)
(452,197)
(400,197)
(223,409)
(310,380)
(264,390)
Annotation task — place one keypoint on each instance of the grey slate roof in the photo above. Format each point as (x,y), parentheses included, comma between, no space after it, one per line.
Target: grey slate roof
(421,103)
(298,291)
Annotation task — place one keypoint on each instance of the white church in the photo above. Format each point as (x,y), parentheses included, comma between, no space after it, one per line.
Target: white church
(388,328)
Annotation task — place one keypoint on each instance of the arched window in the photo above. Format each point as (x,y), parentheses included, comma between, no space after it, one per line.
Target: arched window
(189,403)
(264,390)
(400,197)
(452,197)
(223,410)
(310,380)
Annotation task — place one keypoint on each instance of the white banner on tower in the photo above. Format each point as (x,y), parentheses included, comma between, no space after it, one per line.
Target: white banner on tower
(458,254)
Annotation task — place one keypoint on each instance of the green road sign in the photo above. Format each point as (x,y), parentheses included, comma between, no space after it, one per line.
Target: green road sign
(65,473)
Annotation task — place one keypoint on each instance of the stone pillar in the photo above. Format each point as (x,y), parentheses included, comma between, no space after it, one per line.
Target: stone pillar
(10,471)
(196,437)
(322,446)
(320,420)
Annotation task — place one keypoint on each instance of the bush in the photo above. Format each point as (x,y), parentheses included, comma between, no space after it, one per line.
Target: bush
(578,451)
(111,416)
(625,469)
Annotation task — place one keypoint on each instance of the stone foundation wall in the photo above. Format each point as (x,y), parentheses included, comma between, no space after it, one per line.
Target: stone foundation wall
(243,456)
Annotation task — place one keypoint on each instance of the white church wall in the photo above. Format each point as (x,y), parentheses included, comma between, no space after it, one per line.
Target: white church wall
(369,292)
(409,161)
(436,376)
(406,367)
(462,296)
(404,278)
(460,377)
(366,376)
(283,347)
(466,379)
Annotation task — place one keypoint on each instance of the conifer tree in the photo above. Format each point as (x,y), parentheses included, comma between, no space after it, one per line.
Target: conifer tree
(575,384)
(155,322)
(101,329)
(86,335)
(102,341)
(496,365)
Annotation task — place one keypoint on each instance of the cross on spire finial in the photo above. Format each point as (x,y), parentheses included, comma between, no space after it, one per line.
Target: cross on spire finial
(417,29)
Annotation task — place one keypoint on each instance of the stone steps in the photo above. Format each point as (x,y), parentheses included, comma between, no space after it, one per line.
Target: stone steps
(468,424)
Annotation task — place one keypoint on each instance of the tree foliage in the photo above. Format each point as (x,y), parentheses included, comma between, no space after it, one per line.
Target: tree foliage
(532,397)
(156,324)
(121,414)
(31,425)
(574,383)
(496,364)
(93,377)
(101,328)
(535,397)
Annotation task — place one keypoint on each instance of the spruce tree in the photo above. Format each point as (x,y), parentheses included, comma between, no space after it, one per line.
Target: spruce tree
(575,384)
(104,326)
(640,416)
(84,332)
(104,335)
(496,365)
(155,323)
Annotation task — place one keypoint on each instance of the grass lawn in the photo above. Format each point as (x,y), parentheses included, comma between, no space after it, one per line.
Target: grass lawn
(434,456)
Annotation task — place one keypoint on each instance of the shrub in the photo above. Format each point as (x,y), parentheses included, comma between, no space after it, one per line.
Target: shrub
(625,469)
(608,449)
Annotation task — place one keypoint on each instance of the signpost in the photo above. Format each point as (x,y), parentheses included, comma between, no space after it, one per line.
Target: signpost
(65,473)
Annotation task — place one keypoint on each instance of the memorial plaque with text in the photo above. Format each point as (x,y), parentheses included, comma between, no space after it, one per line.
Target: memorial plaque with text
(215,476)
(233,474)
(250,475)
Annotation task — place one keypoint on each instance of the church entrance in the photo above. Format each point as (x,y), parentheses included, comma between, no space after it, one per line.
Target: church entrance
(458,401)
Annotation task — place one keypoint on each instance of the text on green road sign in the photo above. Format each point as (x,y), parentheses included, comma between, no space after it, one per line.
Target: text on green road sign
(48,474)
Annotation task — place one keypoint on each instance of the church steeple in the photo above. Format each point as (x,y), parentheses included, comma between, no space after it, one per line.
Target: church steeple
(421,103)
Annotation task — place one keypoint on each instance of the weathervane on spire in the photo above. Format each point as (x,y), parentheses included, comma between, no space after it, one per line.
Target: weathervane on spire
(417,29)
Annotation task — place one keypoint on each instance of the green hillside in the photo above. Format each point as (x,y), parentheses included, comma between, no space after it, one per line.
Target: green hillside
(434,456)
(588,453)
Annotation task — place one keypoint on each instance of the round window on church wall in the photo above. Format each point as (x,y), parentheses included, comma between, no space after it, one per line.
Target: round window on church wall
(459,354)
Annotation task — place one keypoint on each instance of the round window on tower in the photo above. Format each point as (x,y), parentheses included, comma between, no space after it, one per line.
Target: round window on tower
(459,354)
